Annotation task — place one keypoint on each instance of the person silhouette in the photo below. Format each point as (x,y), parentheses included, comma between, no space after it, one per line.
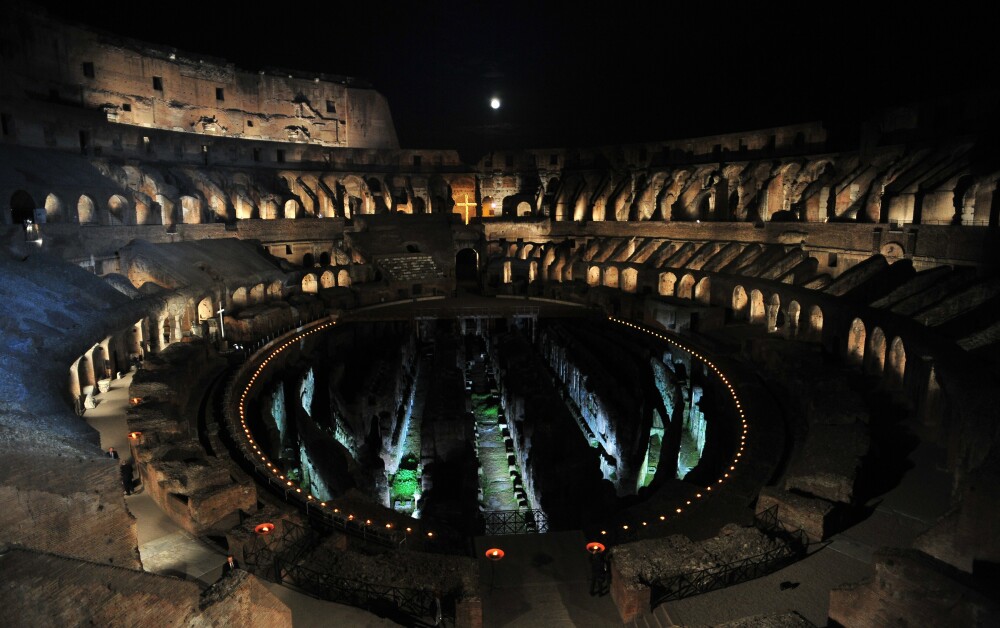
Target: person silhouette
(229,566)
(112,453)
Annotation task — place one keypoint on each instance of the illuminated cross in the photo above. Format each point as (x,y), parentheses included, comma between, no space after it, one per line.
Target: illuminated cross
(465,207)
(222,329)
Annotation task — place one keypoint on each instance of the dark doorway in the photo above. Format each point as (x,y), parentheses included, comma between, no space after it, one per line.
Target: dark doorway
(467,271)
(22,207)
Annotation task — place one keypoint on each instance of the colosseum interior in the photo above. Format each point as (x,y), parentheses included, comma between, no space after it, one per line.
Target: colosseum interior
(740,380)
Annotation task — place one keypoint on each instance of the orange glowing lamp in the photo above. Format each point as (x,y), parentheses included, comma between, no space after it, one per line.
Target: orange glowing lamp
(134,435)
(494,554)
(595,548)
(264,528)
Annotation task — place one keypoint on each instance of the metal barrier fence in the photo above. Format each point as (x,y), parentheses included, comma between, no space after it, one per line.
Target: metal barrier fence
(278,556)
(792,548)
(501,522)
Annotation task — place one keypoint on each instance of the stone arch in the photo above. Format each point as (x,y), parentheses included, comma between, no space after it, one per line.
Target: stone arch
(593,276)
(190,210)
(611,277)
(532,271)
(74,380)
(758,313)
(268,209)
(703,291)
(99,360)
(794,311)
(523,209)
(668,281)
(815,322)
(856,342)
(487,207)
(343,278)
(240,297)
(275,291)
(85,374)
(773,311)
(685,287)
(327,279)
(740,303)
(309,284)
(257,294)
(875,352)
(22,207)
(895,367)
(86,212)
(507,274)
(54,210)
(293,209)
(118,210)
(205,309)
(630,279)
(324,258)
(217,205)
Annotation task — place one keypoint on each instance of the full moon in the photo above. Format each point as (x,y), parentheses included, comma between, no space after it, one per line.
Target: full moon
(495,103)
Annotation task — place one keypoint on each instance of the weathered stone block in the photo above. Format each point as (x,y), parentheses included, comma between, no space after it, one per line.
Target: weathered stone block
(795,511)
(829,462)
(910,588)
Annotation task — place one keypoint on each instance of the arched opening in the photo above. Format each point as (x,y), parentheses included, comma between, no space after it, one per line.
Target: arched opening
(667,282)
(309,284)
(611,277)
(85,211)
(190,210)
(895,370)
(630,279)
(205,309)
(53,209)
(757,312)
(594,276)
(327,279)
(274,291)
(167,330)
(99,360)
(773,309)
(85,374)
(685,287)
(268,209)
(794,311)
(532,271)
(308,261)
(523,209)
(856,342)
(467,266)
(740,303)
(507,278)
(257,294)
(703,291)
(118,210)
(291,209)
(240,297)
(324,258)
(22,207)
(875,353)
(487,207)
(815,323)
(344,278)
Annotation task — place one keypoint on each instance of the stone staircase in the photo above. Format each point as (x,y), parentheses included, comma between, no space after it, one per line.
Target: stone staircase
(657,619)
(409,267)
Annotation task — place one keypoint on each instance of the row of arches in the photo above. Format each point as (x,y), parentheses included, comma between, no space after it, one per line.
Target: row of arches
(313,282)
(699,290)
(874,355)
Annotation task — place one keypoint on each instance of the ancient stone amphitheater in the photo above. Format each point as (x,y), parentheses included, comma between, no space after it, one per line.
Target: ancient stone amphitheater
(759,369)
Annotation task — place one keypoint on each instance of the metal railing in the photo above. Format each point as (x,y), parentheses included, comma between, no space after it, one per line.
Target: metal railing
(792,547)
(278,557)
(501,522)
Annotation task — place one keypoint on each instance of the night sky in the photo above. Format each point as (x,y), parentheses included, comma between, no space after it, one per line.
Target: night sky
(573,76)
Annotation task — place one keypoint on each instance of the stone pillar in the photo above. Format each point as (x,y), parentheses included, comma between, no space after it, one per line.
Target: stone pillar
(631,599)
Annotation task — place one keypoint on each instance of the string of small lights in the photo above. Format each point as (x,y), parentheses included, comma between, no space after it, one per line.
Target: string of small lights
(267,467)
(701,495)
(270,469)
